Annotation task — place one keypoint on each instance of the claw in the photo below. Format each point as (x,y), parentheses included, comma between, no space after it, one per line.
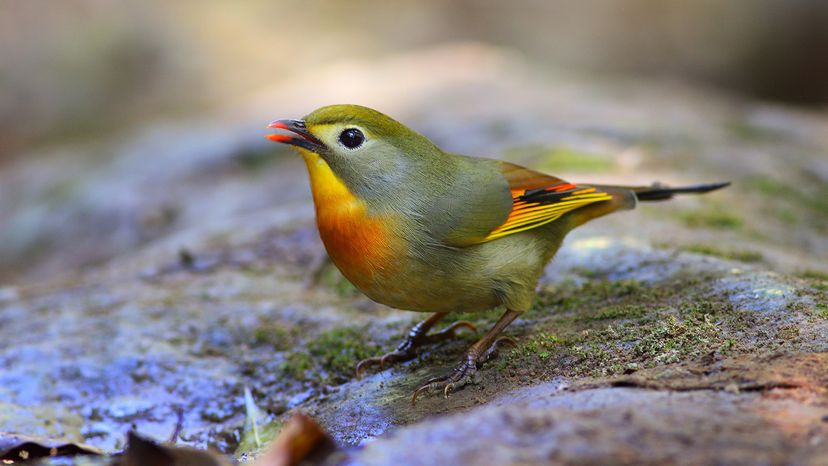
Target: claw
(362,366)
(417,393)
(430,383)
(417,338)
(458,325)
(386,358)
(449,332)
(493,350)
(460,375)
(464,373)
(451,380)
(502,339)
(380,361)
(476,355)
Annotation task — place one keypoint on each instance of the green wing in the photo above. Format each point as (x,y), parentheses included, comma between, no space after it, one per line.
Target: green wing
(493,199)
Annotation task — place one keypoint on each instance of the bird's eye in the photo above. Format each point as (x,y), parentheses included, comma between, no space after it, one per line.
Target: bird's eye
(351,138)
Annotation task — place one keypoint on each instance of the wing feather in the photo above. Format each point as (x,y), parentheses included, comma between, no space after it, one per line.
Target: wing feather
(538,199)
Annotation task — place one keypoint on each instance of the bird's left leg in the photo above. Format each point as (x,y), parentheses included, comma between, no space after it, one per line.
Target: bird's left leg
(475,356)
(417,337)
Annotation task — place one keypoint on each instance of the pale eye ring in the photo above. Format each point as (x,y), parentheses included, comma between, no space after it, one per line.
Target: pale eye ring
(351,138)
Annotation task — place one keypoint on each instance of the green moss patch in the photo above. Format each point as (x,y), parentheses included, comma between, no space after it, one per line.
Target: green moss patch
(276,335)
(568,296)
(539,345)
(810,197)
(621,312)
(297,364)
(741,255)
(811,274)
(604,328)
(331,357)
(711,217)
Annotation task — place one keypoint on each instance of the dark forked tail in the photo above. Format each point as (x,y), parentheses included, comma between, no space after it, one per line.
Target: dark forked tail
(659,192)
(626,197)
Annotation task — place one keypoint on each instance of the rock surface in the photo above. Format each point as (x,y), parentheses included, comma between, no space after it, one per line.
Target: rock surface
(687,332)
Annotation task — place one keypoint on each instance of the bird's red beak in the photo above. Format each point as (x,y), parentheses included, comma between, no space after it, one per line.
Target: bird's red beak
(305,139)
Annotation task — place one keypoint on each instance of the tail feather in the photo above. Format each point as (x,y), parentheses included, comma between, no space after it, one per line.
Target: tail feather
(659,192)
(626,197)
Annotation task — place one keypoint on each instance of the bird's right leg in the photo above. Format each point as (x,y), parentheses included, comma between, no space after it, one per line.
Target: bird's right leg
(417,337)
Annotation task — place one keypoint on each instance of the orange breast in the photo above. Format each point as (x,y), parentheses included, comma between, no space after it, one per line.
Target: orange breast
(358,243)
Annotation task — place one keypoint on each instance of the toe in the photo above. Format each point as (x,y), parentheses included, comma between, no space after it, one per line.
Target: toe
(363,365)
(495,348)
(388,358)
(449,332)
(453,328)
(426,386)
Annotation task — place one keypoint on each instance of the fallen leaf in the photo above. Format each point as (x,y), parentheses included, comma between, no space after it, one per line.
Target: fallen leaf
(144,452)
(301,439)
(19,449)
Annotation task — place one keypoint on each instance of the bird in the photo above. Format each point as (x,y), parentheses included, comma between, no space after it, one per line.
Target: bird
(420,229)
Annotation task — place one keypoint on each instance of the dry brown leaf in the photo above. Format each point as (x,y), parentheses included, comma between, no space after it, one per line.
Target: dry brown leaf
(302,438)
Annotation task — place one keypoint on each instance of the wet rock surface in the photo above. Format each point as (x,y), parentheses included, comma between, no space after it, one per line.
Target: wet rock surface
(686,332)
(613,426)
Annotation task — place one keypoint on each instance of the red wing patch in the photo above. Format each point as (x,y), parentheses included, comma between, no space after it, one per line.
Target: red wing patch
(532,208)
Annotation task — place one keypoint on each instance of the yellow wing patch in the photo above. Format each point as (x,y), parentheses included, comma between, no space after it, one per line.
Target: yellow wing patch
(535,207)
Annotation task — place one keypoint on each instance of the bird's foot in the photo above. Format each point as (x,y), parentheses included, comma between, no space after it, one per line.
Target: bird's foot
(465,371)
(408,348)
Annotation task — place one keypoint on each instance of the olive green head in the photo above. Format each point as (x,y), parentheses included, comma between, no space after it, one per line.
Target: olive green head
(369,151)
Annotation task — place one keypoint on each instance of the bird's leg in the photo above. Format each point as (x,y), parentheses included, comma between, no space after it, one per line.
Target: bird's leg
(476,355)
(416,338)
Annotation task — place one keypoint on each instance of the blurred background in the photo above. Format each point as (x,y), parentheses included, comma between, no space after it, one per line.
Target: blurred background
(123,122)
